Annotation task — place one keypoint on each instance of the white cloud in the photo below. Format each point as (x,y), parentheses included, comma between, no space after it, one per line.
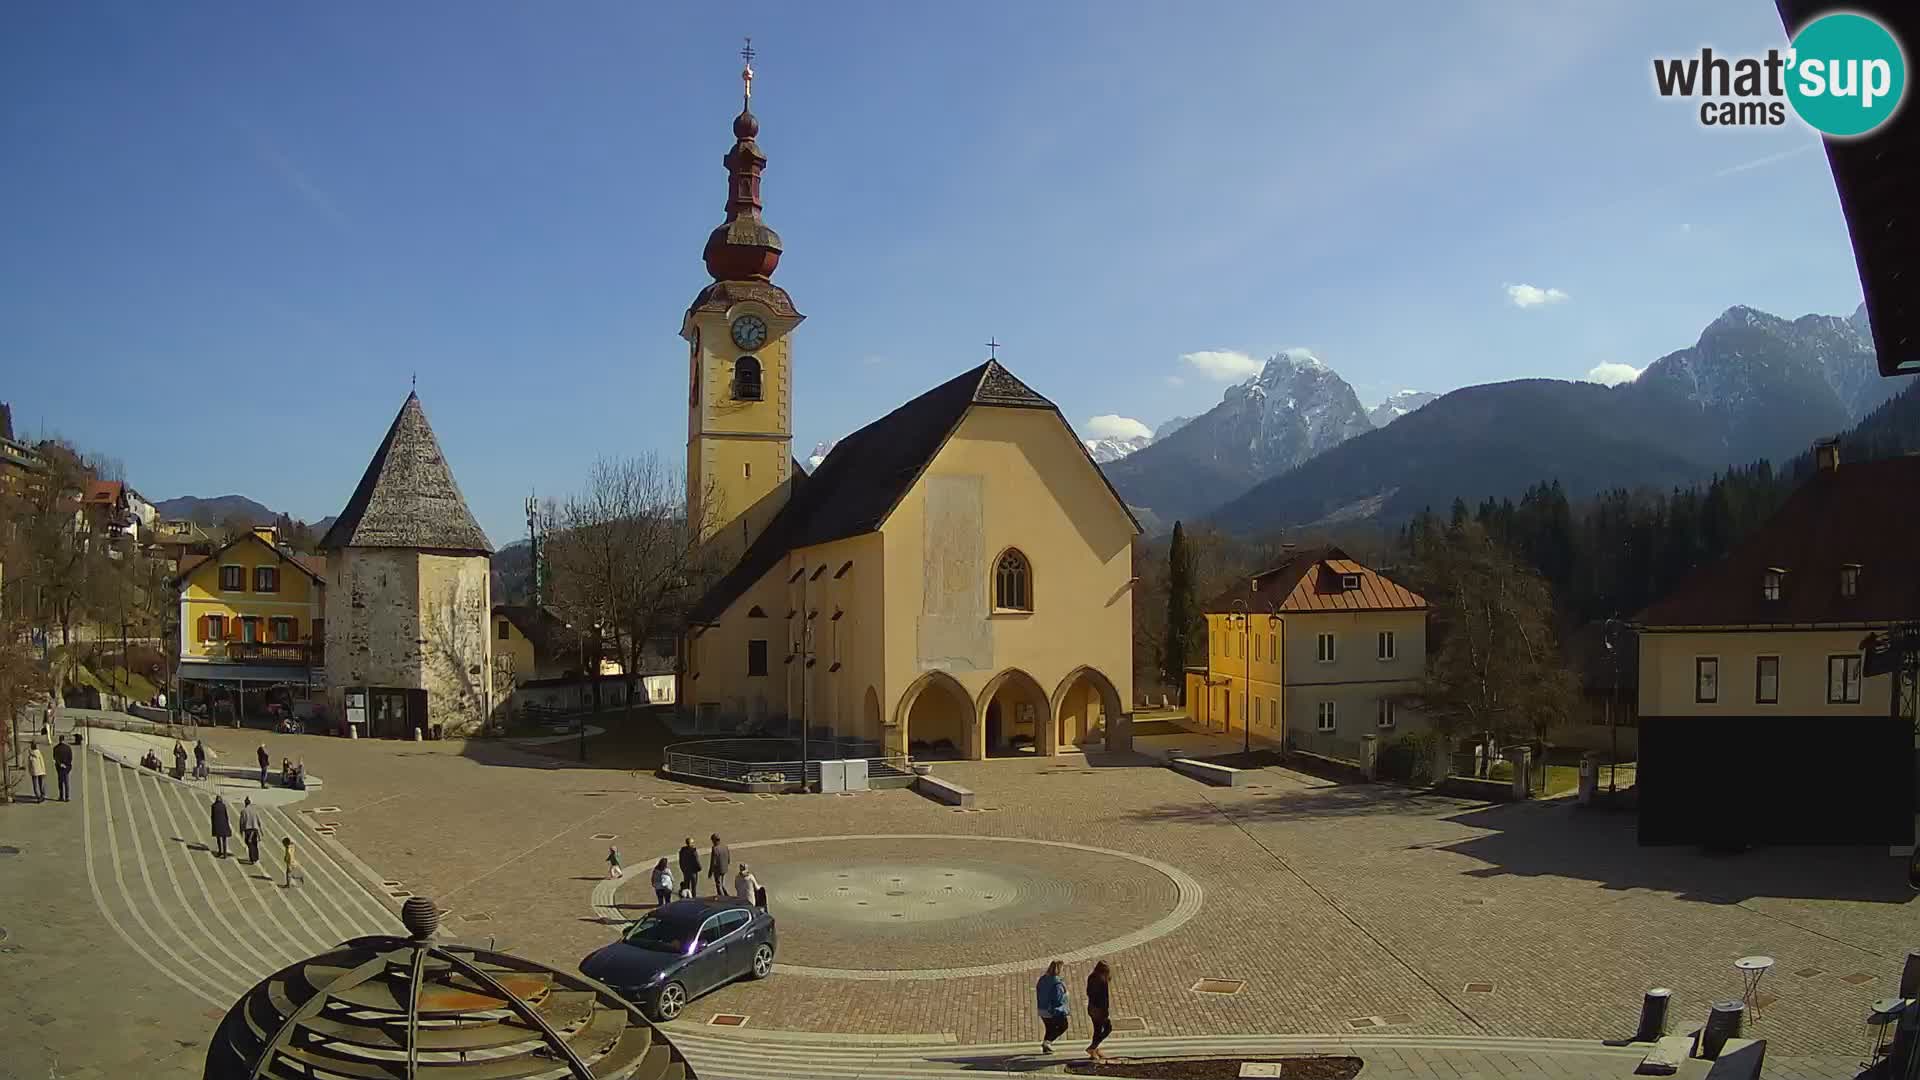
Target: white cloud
(1526,296)
(1222,365)
(1686,226)
(1175,381)
(1114,426)
(1611,374)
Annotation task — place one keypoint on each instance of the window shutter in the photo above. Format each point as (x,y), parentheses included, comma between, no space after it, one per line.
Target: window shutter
(203,628)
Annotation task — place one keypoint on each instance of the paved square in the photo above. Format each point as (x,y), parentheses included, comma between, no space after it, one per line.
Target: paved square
(1347,914)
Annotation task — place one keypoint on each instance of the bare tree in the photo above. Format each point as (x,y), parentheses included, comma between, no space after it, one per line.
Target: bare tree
(456,623)
(626,562)
(23,687)
(63,565)
(1495,667)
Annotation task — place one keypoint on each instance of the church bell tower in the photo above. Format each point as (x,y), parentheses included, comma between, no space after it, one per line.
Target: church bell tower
(739,334)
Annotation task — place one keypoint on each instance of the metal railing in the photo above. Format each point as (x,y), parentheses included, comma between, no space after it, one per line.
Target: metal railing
(774,761)
(1326,744)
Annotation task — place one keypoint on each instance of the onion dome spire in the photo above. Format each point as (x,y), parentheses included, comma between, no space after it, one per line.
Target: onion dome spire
(744,248)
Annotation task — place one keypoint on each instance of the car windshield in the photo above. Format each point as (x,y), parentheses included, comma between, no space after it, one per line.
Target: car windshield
(666,934)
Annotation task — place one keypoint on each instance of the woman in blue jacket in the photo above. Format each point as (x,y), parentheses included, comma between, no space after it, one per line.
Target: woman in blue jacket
(1050,994)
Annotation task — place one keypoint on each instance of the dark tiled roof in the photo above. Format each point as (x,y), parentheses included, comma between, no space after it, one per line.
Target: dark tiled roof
(1309,580)
(408,498)
(314,566)
(1876,176)
(867,473)
(1857,514)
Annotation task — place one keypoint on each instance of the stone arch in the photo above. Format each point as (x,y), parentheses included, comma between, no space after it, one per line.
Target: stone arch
(934,708)
(1012,706)
(1082,705)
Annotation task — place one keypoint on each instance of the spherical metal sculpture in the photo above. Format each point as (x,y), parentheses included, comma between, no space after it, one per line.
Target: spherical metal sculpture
(410,1007)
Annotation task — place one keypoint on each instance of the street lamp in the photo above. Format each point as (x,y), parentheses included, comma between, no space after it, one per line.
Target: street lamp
(1608,634)
(1246,688)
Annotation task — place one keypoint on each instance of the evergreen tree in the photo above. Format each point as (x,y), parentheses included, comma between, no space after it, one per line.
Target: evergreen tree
(1181,613)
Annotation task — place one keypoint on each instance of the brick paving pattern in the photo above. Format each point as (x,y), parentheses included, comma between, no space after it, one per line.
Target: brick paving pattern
(1330,903)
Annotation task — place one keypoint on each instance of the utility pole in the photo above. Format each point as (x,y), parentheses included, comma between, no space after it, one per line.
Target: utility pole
(533,545)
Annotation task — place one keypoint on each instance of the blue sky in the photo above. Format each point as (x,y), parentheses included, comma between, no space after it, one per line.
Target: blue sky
(235,231)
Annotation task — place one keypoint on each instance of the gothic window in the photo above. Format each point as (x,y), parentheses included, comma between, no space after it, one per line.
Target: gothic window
(1013,583)
(746,379)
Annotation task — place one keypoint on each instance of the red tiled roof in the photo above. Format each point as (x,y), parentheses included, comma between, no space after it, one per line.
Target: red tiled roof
(1310,581)
(104,491)
(1857,514)
(187,564)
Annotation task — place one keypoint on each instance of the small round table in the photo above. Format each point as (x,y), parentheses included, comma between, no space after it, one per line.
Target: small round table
(1752,969)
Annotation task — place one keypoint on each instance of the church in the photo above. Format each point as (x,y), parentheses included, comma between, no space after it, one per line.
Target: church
(955,580)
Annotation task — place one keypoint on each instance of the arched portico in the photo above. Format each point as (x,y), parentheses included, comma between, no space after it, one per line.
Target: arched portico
(1082,704)
(936,718)
(1015,716)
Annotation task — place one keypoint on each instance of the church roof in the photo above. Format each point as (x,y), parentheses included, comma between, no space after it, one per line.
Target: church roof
(408,498)
(867,473)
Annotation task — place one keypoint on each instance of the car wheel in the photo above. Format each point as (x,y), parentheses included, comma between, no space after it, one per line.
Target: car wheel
(763,961)
(669,1001)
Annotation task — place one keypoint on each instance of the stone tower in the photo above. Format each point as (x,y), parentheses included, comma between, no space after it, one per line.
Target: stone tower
(740,372)
(408,597)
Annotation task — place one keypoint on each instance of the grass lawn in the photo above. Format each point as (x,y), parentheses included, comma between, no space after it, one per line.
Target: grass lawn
(1564,778)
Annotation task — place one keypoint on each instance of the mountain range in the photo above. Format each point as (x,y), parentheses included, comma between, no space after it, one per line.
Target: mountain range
(1752,386)
(220,509)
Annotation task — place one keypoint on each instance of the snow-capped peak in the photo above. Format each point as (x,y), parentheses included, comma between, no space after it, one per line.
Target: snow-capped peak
(1398,405)
(820,452)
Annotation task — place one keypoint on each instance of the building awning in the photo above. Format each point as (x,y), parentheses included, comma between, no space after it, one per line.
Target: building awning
(253,673)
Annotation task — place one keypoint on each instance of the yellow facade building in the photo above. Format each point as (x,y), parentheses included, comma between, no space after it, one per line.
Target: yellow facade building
(1316,652)
(955,579)
(252,616)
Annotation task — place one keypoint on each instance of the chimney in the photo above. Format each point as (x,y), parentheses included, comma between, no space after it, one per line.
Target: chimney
(1826,455)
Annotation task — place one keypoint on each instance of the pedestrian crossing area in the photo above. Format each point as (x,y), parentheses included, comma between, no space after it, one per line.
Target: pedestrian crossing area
(215,926)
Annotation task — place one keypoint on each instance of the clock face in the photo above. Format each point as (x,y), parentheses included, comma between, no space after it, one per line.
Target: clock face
(749,332)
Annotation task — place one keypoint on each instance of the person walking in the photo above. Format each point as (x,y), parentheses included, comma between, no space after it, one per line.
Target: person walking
(1050,995)
(63,764)
(1099,1004)
(250,831)
(179,760)
(294,873)
(719,861)
(222,827)
(689,868)
(613,861)
(264,759)
(37,769)
(199,759)
(662,883)
(745,885)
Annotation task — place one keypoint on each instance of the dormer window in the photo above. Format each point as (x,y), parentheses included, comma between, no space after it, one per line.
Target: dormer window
(1770,582)
(746,379)
(1850,580)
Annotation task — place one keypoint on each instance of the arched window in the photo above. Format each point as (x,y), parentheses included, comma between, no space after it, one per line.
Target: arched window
(1013,583)
(746,379)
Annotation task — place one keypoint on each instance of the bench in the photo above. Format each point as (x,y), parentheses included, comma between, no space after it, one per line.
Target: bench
(944,791)
(1209,773)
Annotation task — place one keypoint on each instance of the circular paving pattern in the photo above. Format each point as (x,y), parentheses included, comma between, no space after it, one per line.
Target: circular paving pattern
(931,906)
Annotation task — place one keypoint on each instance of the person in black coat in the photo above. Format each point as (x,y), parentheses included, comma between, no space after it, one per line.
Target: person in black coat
(222,827)
(199,759)
(689,868)
(63,764)
(719,862)
(1099,1004)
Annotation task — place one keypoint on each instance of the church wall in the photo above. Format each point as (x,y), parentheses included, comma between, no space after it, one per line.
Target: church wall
(1008,478)
(855,641)
(455,601)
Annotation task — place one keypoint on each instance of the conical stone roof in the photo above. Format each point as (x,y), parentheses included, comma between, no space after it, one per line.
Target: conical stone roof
(408,498)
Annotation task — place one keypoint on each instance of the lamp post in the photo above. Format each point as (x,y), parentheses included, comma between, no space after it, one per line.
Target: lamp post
(1246,684)
(1608,634)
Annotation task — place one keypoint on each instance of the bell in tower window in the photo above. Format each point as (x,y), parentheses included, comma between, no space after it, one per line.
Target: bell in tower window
(746,379)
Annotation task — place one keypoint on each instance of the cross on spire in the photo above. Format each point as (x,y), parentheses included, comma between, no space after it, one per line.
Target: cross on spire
(746,73)
(993,349)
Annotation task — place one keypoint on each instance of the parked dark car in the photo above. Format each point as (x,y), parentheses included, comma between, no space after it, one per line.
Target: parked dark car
(675,953)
